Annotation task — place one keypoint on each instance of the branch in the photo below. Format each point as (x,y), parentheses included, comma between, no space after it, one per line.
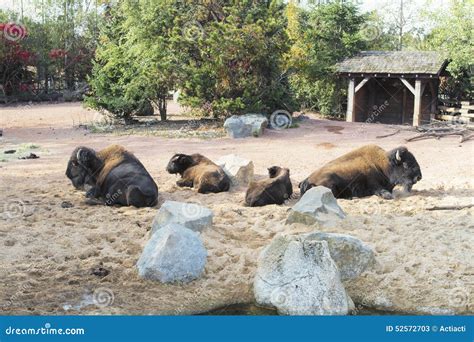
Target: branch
(388,135)
(451,207)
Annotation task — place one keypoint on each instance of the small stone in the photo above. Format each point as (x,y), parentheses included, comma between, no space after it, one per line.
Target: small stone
(66,204)
(239,170)
(242,126)
(351,255)
(173,254)
(317,205)
(189,215)
(100,272)
(299,277)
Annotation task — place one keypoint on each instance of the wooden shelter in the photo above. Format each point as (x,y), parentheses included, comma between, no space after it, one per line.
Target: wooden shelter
(394,87)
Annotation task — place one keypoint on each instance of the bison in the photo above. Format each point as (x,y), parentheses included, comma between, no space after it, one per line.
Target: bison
(367,171)
(274,190)
(198,172)
(115,175)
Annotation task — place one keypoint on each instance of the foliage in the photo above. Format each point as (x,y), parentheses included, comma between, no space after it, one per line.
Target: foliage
(453,35)
(232,56)
(59,43)
(324,35)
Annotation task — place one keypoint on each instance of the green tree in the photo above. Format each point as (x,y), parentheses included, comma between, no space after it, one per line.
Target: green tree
(327,34)
(453,36)
(232,56)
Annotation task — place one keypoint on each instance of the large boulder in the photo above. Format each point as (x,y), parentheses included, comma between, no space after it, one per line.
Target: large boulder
(298,277)
(189,215)
(317,205)
(173,254)
(239,170)
(241,126)
(351,255)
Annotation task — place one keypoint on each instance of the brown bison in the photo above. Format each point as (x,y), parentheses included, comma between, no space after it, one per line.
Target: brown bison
(116,177)
(275,190)
(198,172)
(367,171)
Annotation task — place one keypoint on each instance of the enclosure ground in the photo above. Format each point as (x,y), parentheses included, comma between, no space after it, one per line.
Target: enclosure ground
(425,258)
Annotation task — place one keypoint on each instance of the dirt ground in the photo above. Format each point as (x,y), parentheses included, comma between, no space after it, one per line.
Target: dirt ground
(425,258)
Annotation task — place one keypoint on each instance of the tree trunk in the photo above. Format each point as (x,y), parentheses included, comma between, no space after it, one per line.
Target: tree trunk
(162,107)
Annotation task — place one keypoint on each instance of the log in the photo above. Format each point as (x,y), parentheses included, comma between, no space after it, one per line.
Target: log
(451,207)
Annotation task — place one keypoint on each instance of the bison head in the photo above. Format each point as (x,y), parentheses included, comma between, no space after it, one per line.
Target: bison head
(82,167)
(179,163)
(404,169)
(276,171)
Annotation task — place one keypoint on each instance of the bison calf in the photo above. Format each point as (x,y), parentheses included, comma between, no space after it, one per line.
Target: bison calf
(367,171)
(116,176)
(274,190)
(198,172)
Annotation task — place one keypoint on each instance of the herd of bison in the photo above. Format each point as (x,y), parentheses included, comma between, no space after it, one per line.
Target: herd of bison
(114,176)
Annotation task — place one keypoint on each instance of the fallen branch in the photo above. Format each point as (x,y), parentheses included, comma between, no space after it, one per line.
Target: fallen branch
(388,135)
(451,207)
(439,135)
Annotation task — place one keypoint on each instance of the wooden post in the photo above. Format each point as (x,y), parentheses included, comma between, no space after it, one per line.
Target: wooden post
(417,109)
(350,116)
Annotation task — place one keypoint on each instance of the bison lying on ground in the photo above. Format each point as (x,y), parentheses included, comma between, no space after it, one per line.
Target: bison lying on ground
(116,176)
(367,171)
(274,190)
(199,172)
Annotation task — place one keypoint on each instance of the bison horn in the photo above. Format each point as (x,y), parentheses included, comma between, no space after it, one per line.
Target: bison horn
(397,155)
(78,155)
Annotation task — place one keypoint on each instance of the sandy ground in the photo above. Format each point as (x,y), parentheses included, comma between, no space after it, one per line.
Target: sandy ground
(425,258)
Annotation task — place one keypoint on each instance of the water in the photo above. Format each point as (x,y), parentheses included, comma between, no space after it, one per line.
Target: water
(254,310)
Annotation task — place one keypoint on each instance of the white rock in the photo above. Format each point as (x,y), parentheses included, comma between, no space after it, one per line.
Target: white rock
(239,170)
(317,205)
(189,215)
(351,255)
(298,277)
(174,253)
(241,126)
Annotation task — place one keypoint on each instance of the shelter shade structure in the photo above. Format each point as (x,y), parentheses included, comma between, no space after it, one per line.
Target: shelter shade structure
(393,87)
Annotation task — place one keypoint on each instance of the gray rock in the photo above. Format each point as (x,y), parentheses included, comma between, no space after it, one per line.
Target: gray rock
(189,215)
(318,205)
(239,170)
(173,253)
(351,255)
(241,126)
(298,277)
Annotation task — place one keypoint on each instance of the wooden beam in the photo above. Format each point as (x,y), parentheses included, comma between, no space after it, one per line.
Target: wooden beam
(417,108)
(408,85)
(361,84)
(350,116)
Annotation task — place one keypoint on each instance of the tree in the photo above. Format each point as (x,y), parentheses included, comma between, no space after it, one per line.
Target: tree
(326,35)
(232,56)
(453,36)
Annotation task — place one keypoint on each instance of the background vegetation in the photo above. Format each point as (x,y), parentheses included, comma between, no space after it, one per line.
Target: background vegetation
(225,57)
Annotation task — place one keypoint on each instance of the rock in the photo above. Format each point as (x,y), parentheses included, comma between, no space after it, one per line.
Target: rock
(351,255)
(298,277)
(241,126)
(174,253)
(189,215)
(239,170)
(318,205)
(66,204)
(100,271)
